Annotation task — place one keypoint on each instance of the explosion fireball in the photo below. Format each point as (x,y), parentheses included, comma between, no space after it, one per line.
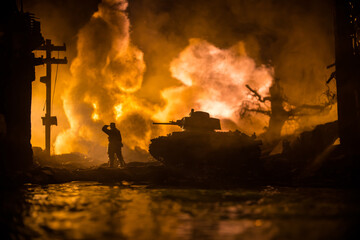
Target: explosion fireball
(110,82)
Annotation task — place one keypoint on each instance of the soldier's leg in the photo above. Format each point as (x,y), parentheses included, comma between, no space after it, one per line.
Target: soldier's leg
(120,157)
(111,154)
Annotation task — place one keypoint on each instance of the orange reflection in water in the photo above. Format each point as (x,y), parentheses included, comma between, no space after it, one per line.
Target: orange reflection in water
(88,210)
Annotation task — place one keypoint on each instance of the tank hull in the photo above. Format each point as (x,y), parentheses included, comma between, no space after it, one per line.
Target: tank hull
(212,152)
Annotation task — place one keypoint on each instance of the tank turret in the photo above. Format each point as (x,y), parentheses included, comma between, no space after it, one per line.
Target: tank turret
(197,121)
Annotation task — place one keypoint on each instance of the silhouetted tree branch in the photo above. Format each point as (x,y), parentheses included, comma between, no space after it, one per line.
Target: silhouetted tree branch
(277,112)
(257,95)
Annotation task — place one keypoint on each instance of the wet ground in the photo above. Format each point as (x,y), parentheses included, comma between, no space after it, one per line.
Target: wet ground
(89,210)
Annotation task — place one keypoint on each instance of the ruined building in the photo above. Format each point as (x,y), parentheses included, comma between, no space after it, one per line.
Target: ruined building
(19,36)
(347,54)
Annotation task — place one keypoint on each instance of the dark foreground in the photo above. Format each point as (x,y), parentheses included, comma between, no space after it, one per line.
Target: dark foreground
(90,210)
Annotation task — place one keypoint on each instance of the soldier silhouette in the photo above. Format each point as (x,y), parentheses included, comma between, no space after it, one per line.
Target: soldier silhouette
(115,144)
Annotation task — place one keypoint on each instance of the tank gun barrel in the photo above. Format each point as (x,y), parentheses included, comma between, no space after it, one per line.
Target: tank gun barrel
(177,123)
(196,121)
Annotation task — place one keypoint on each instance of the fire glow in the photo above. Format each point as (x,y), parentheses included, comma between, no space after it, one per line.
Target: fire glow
(107,77)
(217,77)
(107,84)
(103,75)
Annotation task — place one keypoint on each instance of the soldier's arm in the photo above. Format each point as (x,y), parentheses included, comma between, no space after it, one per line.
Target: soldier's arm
(105,129)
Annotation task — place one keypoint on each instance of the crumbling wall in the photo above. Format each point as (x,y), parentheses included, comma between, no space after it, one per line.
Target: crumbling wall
(20,35)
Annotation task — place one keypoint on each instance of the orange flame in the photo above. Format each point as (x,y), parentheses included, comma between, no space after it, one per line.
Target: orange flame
(108,72)
(106,85)
(105,74)
(214,81)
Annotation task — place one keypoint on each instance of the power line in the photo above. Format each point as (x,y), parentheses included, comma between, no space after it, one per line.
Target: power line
(56,74)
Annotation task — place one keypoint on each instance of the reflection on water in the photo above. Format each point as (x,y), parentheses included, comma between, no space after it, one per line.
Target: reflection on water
(88,210)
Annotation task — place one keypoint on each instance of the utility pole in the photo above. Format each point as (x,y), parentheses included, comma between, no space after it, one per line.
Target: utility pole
(49,120)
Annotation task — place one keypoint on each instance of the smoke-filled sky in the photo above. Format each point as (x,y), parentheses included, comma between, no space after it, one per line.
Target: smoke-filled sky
(141,61)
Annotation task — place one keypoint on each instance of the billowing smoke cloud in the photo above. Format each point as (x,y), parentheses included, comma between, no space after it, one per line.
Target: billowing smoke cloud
(182,55)
(214,80)
(294,37)
(106,73)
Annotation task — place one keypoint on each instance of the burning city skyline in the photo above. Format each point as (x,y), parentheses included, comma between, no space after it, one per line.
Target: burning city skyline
(135,64)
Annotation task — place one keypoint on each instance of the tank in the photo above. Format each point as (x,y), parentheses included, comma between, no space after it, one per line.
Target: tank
(201,146)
